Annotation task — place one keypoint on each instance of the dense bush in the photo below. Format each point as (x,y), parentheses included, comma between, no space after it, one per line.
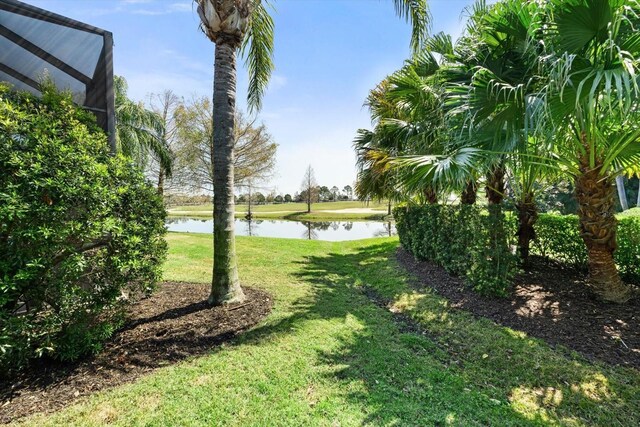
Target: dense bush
(558,237)
(81,232)
(465,240)
(558,197)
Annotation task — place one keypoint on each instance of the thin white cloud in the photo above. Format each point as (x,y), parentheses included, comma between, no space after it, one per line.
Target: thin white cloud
(140,7)
(164,9)
(277,82)
(149,12)
(181,7)
(141,85)
(280,113)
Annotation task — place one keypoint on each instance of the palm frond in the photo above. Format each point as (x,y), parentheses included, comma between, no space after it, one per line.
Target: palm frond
(139,132)
(257,50)
(441,44)
(417,13)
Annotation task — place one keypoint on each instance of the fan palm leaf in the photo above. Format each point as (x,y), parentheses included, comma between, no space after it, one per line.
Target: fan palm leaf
(139,131)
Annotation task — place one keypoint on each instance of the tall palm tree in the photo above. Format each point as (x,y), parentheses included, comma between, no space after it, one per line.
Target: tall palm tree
(592,109)
(503,99)
(139,132)
(246,24)
(490,97)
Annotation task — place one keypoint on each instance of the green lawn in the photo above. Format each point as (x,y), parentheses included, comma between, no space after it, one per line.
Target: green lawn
(327,356)
(635,212)
(294,211)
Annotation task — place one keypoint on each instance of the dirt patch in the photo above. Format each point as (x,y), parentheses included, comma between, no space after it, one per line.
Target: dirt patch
(171,325)
(548,302)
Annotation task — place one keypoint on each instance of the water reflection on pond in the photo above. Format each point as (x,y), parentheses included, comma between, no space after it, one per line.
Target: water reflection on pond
(309,230)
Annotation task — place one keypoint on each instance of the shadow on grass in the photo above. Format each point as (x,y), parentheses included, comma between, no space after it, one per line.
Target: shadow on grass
(460,371)
(550,301)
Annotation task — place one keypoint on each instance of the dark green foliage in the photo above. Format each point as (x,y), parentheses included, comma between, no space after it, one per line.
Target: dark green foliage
(559,197)
(81,232)
(469,242)
(465,240)
(627,255)
(558,237)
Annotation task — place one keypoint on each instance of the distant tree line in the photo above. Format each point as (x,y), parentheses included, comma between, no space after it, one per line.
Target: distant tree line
(319,194)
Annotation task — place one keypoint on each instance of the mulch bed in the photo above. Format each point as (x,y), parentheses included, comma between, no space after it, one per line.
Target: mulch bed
(548,302)
(171,325)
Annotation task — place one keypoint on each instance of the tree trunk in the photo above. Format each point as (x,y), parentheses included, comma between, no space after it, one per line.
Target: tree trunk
(638,201)
(249,214)
(431,196)
(622,194)
(527,217)
(161,176)
(225,287)
(495,185)
(389,208)
(469,194)
(596,210)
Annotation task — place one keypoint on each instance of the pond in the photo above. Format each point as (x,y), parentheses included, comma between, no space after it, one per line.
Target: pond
(333,231)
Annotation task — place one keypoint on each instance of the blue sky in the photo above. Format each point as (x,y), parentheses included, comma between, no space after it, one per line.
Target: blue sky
(328,55)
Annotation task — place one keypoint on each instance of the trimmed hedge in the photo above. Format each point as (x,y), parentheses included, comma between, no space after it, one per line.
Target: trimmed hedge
(465,240)
(558,238)
(469,242)
(81,231)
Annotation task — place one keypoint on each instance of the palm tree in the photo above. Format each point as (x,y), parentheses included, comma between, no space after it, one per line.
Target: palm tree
(592,109)
(139,132)
(490,94)
(502,100)
(165,105)
(376,179)
(407,114)
(231,25)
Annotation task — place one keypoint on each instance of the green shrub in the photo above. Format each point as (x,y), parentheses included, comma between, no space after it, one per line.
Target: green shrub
(81,232)
(558,238)
(465,240)
(627,255)
(468,241)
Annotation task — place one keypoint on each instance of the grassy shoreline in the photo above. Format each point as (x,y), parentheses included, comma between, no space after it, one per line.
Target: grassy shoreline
(327,355)
(325,211)
(291,216)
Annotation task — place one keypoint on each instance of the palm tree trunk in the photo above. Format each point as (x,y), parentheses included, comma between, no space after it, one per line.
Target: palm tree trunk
(389,207)
(469,194)
(527,217)
(598,224)
(495,185)
(225,286)
(431,196)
